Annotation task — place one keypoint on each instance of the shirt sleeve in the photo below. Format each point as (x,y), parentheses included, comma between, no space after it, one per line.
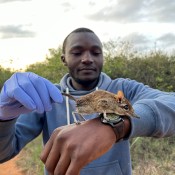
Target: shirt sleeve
(16,133)
(155,108)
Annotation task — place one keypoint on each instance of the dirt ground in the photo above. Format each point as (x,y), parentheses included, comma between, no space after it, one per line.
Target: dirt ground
(10,168)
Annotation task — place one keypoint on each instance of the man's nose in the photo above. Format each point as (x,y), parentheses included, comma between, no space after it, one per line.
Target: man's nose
(87,58)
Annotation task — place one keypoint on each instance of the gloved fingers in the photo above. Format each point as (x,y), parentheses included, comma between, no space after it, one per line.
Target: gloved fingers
(31,90)
(22,97)
(12,92)
(46,91)
(42,91)
(54,92)
(26,92)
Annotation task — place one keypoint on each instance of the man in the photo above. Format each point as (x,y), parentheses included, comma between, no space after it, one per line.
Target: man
(31,104)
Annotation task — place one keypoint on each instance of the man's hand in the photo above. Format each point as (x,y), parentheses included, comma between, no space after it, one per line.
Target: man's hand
(25,92)
(71,147)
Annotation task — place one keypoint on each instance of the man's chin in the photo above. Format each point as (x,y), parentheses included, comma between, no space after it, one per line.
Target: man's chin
(86,80)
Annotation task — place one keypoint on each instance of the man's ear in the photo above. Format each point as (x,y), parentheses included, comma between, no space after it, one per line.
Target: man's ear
(63,60)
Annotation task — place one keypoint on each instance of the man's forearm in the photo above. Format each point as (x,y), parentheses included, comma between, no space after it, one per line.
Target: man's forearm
(7,129)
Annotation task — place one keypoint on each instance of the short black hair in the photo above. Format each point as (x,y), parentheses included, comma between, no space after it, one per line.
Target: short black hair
(82,29)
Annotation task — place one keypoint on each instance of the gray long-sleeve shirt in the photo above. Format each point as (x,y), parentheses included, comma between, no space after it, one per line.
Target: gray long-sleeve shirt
(155,108)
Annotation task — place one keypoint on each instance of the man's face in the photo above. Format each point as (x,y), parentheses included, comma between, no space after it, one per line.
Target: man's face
(83,57)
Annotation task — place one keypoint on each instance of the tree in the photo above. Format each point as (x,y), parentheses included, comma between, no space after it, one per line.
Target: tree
(52,68)
(4,75)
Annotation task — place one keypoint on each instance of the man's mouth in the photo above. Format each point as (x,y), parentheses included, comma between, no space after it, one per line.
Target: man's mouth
(87,69)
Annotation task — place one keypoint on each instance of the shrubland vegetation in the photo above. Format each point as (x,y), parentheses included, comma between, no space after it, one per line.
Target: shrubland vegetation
(4,75)
(155,68)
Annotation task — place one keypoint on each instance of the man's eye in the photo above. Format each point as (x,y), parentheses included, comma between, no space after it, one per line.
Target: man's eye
(76,53)
(96,53)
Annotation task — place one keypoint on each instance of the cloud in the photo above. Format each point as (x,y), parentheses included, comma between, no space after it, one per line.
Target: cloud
(119,11)
(15,31)
(6,1)
(162,11)
(67,6)
(167,39)
(91,3)
(137,38)
(139,41)
(144,42)
(136,11)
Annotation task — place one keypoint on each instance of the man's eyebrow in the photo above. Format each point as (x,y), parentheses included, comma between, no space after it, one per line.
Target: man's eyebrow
(81,47)
(97,47)
(76,47)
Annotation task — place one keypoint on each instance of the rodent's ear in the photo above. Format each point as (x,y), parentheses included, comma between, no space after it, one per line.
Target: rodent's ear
(63,60)
(119,96)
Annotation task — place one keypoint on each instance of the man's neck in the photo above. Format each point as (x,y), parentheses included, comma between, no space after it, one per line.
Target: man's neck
(84,86)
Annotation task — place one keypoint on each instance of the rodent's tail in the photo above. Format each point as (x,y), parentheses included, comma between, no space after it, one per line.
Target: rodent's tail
(68,95)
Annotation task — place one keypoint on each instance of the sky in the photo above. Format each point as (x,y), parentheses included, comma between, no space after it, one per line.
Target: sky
(29,28)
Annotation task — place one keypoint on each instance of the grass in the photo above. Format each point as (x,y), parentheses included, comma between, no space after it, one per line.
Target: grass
(149,157)
(153,156)
(29,161)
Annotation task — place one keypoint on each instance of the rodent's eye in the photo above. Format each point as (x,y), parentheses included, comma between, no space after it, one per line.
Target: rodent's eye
(126,107)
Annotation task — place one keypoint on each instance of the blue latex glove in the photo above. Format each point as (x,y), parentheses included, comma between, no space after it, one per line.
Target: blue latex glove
(25,92)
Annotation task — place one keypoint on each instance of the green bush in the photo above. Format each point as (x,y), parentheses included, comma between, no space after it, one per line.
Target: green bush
(4,75)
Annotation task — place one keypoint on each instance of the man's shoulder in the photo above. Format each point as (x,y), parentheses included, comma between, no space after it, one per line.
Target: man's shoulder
(58,86)
(121,80)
